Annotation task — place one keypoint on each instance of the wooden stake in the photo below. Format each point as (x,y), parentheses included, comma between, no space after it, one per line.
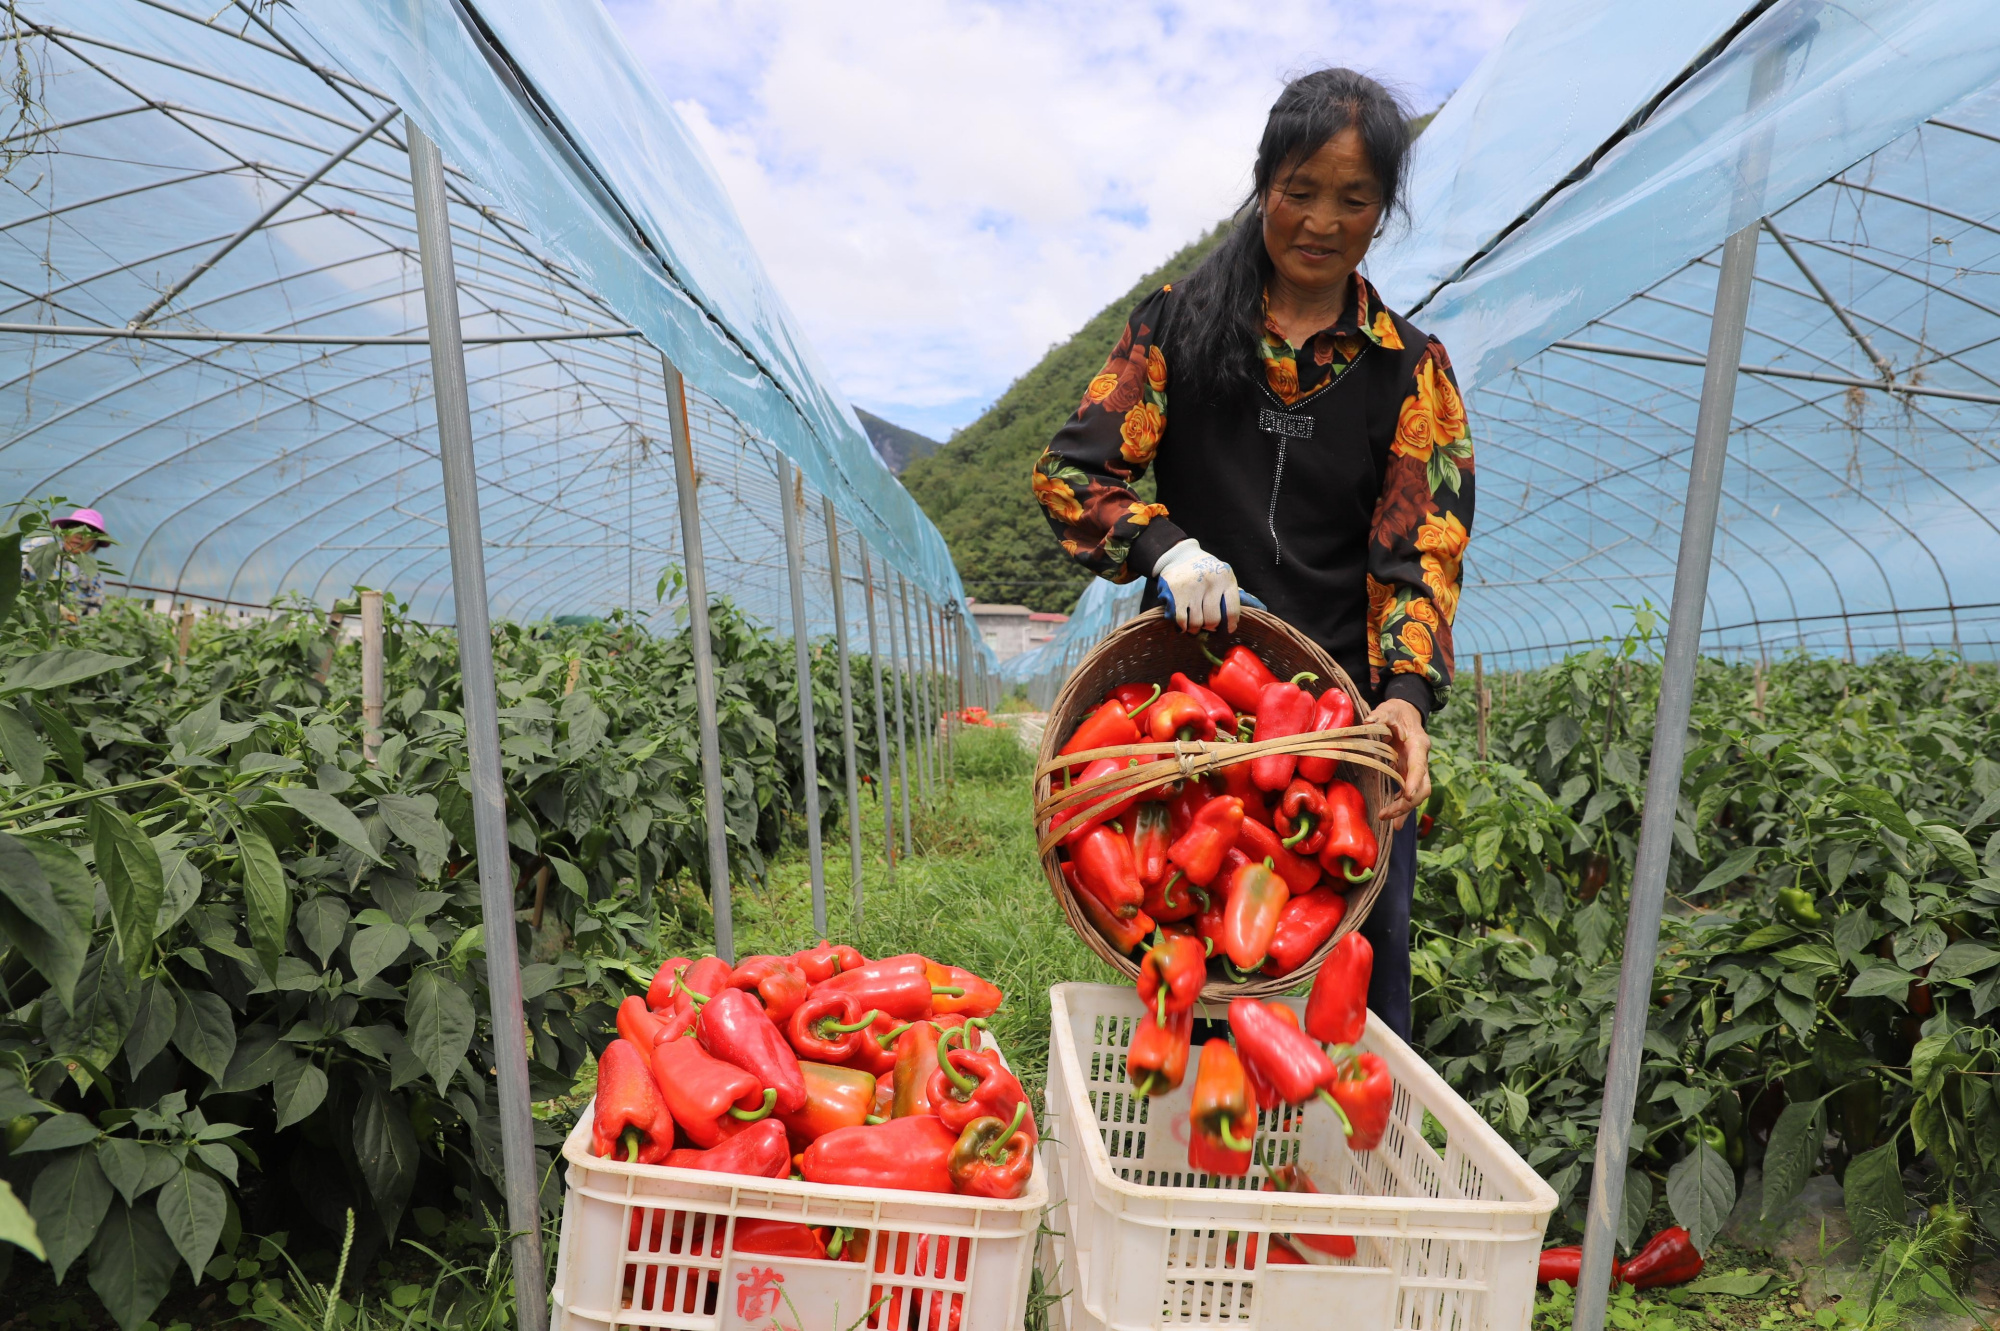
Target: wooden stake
(371,675)
(1760,690)
(186,631)
(575,671)
(1484,699)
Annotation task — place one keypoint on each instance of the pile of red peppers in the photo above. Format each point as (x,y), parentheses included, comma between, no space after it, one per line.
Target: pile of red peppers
(1252,862)
(820,1065)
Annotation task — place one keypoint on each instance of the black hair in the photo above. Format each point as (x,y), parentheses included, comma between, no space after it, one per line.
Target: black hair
(1220,323)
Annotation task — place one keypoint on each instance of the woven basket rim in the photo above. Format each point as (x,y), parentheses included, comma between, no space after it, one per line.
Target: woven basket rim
(1120,658)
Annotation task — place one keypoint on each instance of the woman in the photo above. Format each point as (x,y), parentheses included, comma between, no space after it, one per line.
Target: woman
(1315,453)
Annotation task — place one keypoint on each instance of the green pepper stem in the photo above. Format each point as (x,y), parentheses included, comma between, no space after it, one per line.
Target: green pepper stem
(841,1234)
(1346,1125)
(1145,1087)
(1230,1139)
(873,1119)
(1203,640)
(1200,894)
(1304,674)
(1305,830)
(1348,865)
(630,1140)
(964,1085)
(998,1150)
(828,1025)
(753,1115)
(890,1037)
(947,991)
(1144,705)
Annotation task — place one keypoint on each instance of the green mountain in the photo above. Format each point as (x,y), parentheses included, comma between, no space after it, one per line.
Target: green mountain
(897,446)
(975,488)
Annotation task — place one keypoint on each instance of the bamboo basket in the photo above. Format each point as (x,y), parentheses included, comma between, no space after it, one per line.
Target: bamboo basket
(1148,649)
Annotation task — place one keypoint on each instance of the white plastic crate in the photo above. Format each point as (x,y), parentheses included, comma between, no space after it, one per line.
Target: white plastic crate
(648,1246)
(1448,1220)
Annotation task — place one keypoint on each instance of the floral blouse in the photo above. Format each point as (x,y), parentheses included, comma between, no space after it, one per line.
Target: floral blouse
(1422,519)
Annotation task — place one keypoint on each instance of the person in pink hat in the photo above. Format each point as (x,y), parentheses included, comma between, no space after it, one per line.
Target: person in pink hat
(80,535)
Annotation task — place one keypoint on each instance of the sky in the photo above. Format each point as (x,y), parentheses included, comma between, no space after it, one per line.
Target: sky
(942,191)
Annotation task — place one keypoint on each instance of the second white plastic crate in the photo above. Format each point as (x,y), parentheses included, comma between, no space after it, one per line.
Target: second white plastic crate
(1448,1219)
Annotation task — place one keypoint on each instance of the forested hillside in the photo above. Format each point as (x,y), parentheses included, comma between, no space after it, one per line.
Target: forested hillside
(976,487)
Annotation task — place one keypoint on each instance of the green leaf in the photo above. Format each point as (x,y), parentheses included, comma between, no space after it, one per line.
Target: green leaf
(571,876)
(68,1203)
(131,1264)
(267,896)
(257,1059)
(1738,862)
(1742,1033)
(413,818)
(376,948)
(1769,935)
(1742,1286)
(16,1225)
(10,580)
(1881,980)
(1700,1190)
(1793,1150)
(134,1167)
(1924,1059)
(1962,959)
(192,1207)
(1853,934)
(59,1134)
(1814,957)
(331,816)
(95,1030)
(1873,1192)
(130,868)
(19,744)
(68,744)
(1951,844)
(1638,1204)
(322,923)
(46,917)
(385,1149)
(205,1031)
(183,889)
(441,1023)
(52,670)
(298,1090)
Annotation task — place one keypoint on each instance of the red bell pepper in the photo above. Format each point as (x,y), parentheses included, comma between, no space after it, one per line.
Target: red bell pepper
(1208,924)
(1222,1116)
(980,997)
(1220,714)
(900,986)
(704,1093)
(1237,781)
(1103,806)
(779,983)
(875,1051)
(1283,709)
(760,1150)
(1337,1008)
(1123,933)
(1239,676)
(910,1154)
(639,1024)
(835,1098)
(1151,835)
(1134,698)
(1256,898)
(1174,899)
(1184,804)
(1171,974)
(1333,710)
(1260,841)
(734,1028)
(1104,867)
(631,1121)
(1300,818)
(1293,1178)
(829,1027)
(1106,728)
(1156,1060)
(1199,850)
(916,1060)
(1279,1051)
(1305,923)
(1566,1264)
(972,1083)
(661,991)
(1364,1093)
(1350,849)
(827,960)
(1262,1087)
(1668,1258)
(1176,716)
(776,1238)
(994,1157)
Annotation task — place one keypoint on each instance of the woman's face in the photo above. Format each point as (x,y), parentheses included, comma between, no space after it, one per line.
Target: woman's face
(1320,216)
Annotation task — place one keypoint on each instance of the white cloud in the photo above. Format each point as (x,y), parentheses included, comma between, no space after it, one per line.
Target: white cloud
(942,190)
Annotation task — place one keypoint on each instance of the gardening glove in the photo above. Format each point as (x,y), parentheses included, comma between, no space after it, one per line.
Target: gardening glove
(1199,590)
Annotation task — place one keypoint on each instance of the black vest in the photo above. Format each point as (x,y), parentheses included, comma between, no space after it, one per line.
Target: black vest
(1287,495)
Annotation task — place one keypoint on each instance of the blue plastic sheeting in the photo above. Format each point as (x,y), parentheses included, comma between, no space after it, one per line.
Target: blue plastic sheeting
(1860,498)
(238,470)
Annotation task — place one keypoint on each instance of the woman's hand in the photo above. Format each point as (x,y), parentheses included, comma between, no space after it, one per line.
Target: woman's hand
(1413,744)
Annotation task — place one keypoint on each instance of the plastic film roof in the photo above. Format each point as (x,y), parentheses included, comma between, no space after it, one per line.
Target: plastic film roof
(1569,206)
(590,236)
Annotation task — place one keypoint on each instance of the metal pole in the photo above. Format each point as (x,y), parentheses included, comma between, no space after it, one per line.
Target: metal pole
(913,674)
(881,722)
(898,672)
(846,707)
(714,812)
(792,498)
(371,675)
(1663,778)
(482,728)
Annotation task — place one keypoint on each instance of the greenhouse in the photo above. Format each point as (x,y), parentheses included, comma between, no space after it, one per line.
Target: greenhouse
(439,877)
